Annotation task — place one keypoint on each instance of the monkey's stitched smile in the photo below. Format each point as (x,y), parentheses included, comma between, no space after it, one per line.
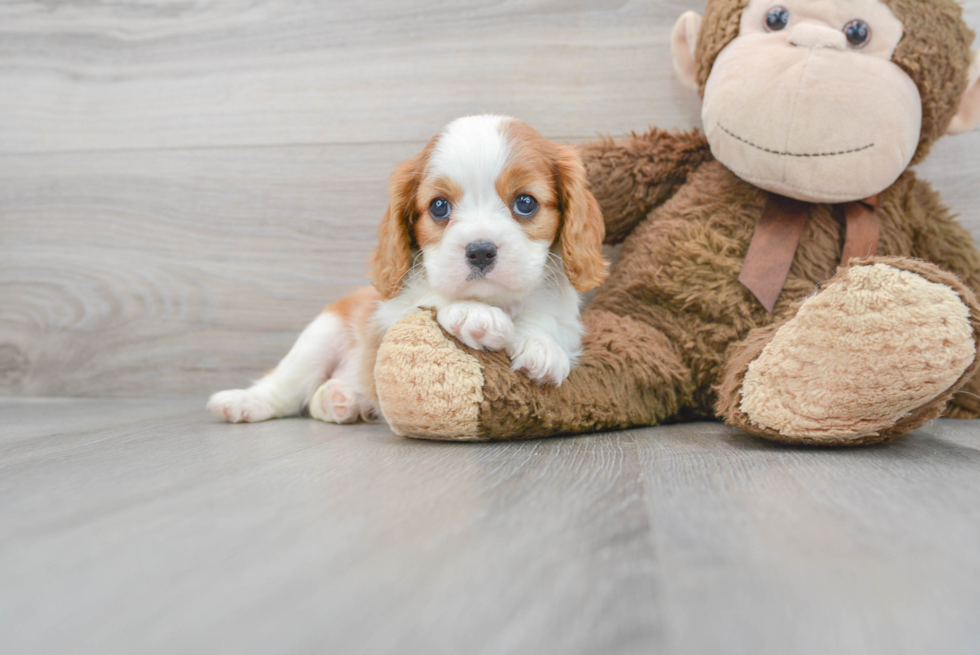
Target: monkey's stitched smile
(792,154)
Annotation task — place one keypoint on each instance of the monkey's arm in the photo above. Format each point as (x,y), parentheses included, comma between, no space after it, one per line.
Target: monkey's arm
(632,176)
(941,239)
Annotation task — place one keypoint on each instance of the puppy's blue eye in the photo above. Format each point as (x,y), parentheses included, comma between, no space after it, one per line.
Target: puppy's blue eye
(525,205)
(439,209)
(777,19)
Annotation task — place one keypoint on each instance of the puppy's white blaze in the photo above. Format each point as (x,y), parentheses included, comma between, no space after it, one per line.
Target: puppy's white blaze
(472,151)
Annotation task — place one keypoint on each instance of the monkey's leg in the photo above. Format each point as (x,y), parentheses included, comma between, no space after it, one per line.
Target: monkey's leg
(432,387)
(875,354)
(965,403)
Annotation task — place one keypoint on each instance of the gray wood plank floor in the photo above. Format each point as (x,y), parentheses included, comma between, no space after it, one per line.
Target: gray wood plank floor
(144,526)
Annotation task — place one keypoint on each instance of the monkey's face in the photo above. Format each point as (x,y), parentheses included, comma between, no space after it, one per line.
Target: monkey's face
(806,101)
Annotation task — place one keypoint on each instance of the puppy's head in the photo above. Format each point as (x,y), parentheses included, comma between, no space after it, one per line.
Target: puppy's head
(487,204)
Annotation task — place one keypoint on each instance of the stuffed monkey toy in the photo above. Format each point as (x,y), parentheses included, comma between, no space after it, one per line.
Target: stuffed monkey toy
(785,271)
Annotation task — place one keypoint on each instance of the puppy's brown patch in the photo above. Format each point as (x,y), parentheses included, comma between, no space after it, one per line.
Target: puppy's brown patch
(396,233)
(357,308)
(530,169)
(572,217)
(427,229)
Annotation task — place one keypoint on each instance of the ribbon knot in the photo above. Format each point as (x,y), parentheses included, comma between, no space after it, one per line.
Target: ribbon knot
(777,236)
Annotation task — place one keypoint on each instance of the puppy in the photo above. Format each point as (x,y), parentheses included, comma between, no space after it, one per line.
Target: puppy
(494,227)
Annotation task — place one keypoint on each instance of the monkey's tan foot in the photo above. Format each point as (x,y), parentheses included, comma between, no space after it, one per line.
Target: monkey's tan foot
(335,402)
(965,403)
(428,386)
(875,354)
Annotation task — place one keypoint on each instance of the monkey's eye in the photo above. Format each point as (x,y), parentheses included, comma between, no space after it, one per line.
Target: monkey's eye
(525,205)
(777,19)
(858,33)
(439,209)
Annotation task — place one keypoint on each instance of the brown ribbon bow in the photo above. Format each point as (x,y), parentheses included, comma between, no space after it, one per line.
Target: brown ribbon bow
(777,235)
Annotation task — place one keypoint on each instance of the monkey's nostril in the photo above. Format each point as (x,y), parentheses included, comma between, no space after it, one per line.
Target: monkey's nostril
(481,254)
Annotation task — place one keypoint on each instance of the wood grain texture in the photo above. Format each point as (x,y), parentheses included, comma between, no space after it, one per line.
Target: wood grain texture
(143,526)
(184,184)
(239,72)
(176,271)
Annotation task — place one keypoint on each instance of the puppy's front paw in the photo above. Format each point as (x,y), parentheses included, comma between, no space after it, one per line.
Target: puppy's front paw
(479,326)
(240,406)
(541,358)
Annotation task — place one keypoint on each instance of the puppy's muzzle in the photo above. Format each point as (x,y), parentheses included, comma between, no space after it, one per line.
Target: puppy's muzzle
(481,256)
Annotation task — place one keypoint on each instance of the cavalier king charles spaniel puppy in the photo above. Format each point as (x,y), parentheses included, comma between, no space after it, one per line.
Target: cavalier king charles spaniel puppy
(491,225)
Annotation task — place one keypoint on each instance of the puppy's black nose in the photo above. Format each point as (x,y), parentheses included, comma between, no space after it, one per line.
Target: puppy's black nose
(481,254)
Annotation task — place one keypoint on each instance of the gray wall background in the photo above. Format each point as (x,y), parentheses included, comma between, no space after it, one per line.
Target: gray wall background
(185,183)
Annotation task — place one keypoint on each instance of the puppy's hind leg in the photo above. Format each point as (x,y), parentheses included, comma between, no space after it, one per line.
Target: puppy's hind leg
(341,399)
(287,389)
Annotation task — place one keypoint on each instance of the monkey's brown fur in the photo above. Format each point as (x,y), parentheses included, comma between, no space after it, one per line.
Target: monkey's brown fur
(673,313)
(672,331)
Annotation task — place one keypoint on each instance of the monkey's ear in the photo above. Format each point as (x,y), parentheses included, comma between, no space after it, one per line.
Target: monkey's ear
(968,116)
(683,40)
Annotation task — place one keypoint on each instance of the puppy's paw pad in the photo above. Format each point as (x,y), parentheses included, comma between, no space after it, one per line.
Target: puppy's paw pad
(479,326)
(335,402)
(240,406)
(542,359)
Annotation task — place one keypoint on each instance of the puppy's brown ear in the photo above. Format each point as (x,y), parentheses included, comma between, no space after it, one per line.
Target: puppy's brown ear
(393,257)
(582,229)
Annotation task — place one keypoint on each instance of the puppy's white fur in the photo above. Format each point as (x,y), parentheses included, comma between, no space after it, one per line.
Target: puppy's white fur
(524,303)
